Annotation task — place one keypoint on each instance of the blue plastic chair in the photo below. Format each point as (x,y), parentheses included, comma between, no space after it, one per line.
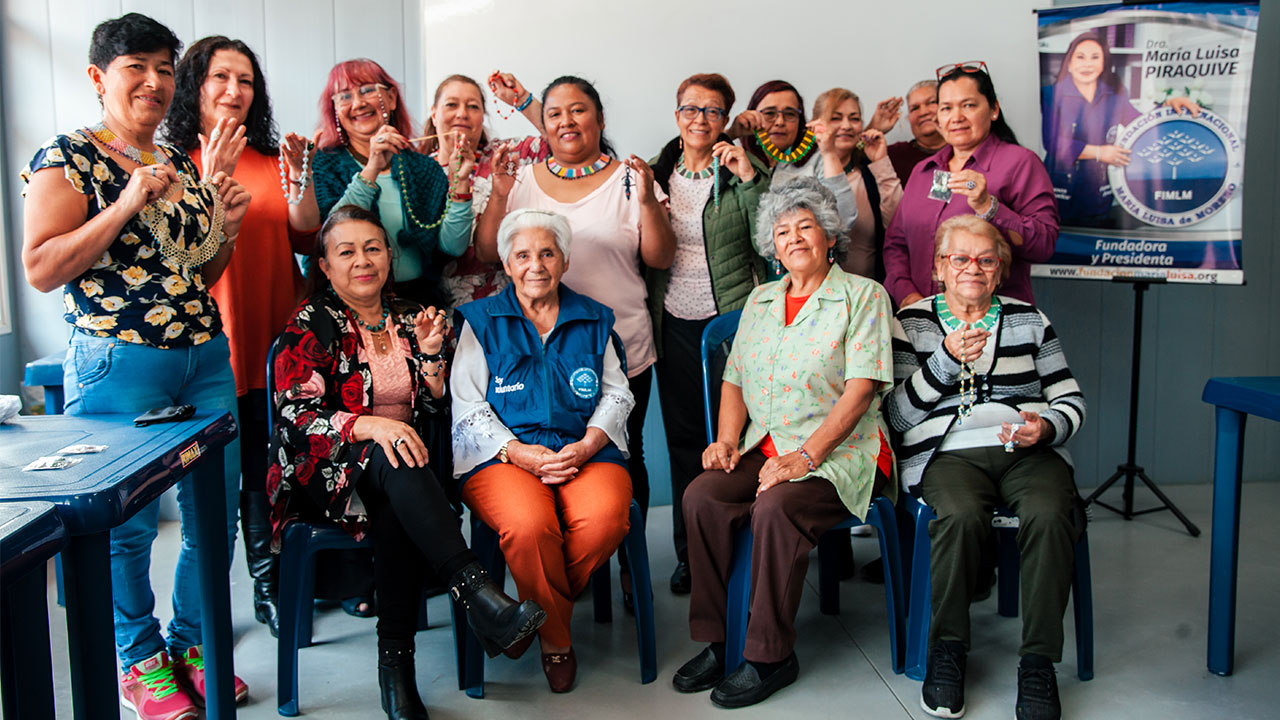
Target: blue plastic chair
(297,574)
(484,542)
(920,595)
(880,515)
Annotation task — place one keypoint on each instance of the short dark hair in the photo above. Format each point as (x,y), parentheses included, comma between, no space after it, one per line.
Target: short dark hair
(715,82)
(999,127)
(590,91)
(130,34)
(341,215)
(184,123)
(757,97)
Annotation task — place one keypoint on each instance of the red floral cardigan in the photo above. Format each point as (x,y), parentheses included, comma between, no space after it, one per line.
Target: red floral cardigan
(321,384)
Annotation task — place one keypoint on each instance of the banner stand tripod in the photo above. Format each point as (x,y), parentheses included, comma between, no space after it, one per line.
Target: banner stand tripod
(1131,469)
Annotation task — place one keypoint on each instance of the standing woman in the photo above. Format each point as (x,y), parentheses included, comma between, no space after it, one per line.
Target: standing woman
(983,171)
(456,124)
(619,226)
(366,158)
(219,90)
(714,188)
(135,236)
(853,162)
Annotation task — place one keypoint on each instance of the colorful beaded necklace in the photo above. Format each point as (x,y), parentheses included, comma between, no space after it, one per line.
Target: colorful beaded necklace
(796,154)
(950,324)
(565,173)
(711,171)
(104,135)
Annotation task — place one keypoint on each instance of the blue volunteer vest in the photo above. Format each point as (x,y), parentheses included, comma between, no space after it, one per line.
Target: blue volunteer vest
(545,393)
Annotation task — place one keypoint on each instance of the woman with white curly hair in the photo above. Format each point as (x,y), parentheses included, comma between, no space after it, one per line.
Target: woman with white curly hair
(804,381)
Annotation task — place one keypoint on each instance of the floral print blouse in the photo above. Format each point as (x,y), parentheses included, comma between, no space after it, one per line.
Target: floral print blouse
(792,375)
(322,382)
(133,293)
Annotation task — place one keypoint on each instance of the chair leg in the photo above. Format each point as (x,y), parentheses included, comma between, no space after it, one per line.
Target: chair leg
(295,603)
(739,600)
(637,551)
(920,601)
(829,570)
(484,543)
(1009,571)
(882,516)
(602,593)
(1082,603)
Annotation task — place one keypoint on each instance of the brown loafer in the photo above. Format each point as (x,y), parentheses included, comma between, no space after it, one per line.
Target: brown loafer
(561,670)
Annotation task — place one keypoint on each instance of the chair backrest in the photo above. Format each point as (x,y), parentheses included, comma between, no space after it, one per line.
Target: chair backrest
(718,332)
(271,387)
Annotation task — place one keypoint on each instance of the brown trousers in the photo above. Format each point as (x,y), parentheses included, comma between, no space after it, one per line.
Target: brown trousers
(786,520)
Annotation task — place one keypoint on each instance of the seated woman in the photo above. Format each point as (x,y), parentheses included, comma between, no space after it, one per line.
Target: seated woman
(540,406)
(804,379)
(984,402)
(358,375)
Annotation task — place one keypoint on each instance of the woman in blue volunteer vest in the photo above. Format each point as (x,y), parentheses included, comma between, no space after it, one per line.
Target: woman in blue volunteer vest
(540,406)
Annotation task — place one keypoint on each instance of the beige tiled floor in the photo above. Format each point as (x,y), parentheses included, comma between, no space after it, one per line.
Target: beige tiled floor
(1150,603)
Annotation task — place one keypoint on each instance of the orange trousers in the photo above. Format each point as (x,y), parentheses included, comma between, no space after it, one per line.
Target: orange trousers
(553,536)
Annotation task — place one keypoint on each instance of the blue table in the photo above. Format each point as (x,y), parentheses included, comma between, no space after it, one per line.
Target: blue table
(1236,399)
(105,490)
(30,534)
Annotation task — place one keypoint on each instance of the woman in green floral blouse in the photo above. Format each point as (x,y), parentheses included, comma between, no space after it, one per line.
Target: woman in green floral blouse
(804,381)
(135,235)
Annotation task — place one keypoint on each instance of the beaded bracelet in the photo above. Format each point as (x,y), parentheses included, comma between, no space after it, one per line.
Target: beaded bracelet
(991,211)
(527,99)
(805,454)
(363,179)
(460,197)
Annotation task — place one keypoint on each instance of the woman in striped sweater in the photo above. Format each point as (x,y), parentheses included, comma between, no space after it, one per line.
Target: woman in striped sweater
(983,403)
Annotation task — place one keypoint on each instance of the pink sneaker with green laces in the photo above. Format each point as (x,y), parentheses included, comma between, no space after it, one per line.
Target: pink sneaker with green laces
(189,668)
(150,689)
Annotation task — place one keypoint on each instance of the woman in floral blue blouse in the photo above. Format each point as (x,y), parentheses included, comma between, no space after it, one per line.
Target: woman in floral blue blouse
(135,235)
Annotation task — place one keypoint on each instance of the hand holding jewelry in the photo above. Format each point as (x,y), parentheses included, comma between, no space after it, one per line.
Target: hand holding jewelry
(429,327)
(295,153)
(387,141)
(503,170)
(734,157)
(644,179)
(235,201)
(146,185)
(973,186)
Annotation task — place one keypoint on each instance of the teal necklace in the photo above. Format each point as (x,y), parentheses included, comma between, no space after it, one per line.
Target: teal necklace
(712,170)
(950,324)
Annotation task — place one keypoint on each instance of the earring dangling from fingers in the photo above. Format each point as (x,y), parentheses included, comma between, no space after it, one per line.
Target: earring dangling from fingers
(337,119)
(382,105)
(626,182)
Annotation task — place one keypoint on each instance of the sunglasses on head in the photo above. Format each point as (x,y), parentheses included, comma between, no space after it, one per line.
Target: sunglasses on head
(968,66)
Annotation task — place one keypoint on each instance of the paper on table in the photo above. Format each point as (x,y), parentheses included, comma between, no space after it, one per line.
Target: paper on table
(10,406)
(81,449)
(52,462)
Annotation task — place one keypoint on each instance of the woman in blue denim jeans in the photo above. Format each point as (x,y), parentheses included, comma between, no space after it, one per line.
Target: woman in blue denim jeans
(135,235)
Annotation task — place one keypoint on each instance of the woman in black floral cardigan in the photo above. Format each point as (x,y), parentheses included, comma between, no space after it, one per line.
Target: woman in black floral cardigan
(358,378)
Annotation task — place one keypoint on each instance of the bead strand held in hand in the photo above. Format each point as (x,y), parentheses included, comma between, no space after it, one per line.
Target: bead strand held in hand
(303,180)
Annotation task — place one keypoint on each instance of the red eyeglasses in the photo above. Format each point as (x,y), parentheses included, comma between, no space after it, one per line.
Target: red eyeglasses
(968,66)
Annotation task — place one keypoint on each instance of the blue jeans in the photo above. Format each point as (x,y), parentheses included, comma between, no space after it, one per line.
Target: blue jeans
(104,375)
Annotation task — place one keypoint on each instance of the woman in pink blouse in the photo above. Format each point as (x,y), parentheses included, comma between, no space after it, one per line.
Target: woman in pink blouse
(981,171)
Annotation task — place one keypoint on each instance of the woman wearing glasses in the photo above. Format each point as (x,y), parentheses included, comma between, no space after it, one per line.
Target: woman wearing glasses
(981,171)
(367,158)
(714,187)
(999,443)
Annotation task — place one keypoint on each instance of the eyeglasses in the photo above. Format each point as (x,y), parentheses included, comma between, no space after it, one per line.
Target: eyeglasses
(968,66)
(691,112)
(986,263)
(346,97)
(789,115)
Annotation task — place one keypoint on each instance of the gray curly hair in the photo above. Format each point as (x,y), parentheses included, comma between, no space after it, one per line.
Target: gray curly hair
(802,193)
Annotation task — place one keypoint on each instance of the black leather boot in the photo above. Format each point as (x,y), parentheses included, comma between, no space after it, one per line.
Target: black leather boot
(497,620)
(399,685)
(255,523)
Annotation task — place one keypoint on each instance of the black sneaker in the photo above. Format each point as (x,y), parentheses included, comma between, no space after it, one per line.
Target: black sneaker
(1037,689)
(942,694)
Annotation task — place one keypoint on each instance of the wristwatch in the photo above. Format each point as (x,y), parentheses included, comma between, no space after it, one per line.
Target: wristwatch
(502,453)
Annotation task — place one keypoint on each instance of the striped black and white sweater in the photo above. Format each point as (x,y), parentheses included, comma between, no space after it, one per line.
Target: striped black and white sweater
(1029,372)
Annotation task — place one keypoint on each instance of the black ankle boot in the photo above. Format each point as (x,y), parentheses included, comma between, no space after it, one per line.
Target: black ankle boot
(399,685)
(255,522)
(495,618)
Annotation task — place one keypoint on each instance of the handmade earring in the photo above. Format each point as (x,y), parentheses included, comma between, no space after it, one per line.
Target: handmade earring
(337,123)
(777,266)
(382,105)
(626,183)
(831,255)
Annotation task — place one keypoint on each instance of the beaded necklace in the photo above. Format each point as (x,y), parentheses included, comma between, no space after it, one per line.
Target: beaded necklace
(711,171)
(156,215)
(104,135)
(303,181)
(950,324)
(565,173)
(408,206)
(797,153)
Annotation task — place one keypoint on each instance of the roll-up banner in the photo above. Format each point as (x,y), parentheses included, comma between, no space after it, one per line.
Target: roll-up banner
(1143,121)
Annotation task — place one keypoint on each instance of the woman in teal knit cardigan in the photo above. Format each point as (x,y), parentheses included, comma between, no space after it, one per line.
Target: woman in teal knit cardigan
(365,158)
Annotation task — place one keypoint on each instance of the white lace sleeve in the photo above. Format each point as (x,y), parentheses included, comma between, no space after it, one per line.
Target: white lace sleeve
(478,434)
(615,402)
(481,188)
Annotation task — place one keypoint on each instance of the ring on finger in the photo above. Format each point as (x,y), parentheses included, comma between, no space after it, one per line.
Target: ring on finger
(153,172)
(397,442)
(380,138)
(971,184)
(213,136)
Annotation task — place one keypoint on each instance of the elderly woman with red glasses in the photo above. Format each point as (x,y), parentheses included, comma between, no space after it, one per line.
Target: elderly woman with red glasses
(981,171)
(984,403)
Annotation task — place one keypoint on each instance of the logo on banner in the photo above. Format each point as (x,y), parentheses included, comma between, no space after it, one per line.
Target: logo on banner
(1182,169)
(584,382)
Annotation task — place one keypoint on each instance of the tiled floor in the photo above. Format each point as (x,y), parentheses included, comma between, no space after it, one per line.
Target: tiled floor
(1150,604)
